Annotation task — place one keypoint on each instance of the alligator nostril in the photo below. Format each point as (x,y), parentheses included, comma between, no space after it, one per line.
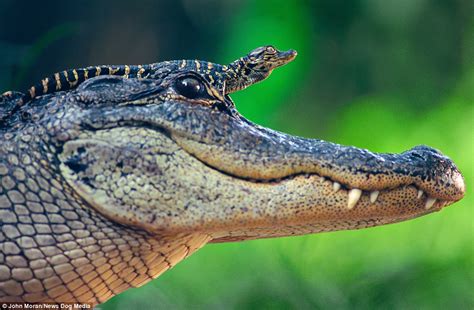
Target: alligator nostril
(424,153)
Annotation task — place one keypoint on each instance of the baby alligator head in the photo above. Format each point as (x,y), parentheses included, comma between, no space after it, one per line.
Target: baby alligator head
(255,67)
(171,158)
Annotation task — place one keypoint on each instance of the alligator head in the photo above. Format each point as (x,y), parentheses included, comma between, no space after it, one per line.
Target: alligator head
(194,164)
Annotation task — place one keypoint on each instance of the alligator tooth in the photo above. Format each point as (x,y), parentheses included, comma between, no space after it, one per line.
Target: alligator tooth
(336,186)
(420,193)
(429,203)
(353,198)
(373,196)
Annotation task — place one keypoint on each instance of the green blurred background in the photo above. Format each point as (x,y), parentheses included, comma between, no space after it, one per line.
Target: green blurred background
(379,74)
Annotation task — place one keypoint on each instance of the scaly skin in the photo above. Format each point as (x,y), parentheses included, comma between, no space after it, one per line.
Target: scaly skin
(105,187)
(254,67)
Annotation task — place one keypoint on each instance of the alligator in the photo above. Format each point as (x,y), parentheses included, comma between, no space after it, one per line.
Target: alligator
(108,182)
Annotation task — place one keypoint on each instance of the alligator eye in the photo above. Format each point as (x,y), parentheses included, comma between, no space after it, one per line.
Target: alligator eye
(270,50)
(189,87)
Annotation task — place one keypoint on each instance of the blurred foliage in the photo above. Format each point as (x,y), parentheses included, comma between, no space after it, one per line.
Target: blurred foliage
(383,75)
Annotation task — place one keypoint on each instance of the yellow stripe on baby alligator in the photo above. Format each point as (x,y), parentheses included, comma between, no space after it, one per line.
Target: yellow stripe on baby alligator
(198,65)
(211,78)
(97,71)
(183,64)
(210,65)
(66,76)
(57,78)
(215,93)
(140,71)
(86,74)
(32,91)
(127,70)
(76,78)
(112,71)
(45,85)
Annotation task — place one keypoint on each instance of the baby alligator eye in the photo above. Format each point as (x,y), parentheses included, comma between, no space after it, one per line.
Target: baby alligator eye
(189,87)
(270,49)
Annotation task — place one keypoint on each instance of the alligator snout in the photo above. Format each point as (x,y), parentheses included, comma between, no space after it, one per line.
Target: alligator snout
(259,154)
(437,173)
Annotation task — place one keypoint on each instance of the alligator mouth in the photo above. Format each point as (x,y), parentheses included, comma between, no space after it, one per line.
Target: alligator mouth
(286,56)
(422,179)
(336,205)
(433,201)
(256,154)
(437,190)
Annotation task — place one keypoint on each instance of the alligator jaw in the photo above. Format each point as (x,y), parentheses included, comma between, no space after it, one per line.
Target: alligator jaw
(344,187)
(434,199)
(250,152)
(319,199)
(235,180)
(285,57)
(314,202)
